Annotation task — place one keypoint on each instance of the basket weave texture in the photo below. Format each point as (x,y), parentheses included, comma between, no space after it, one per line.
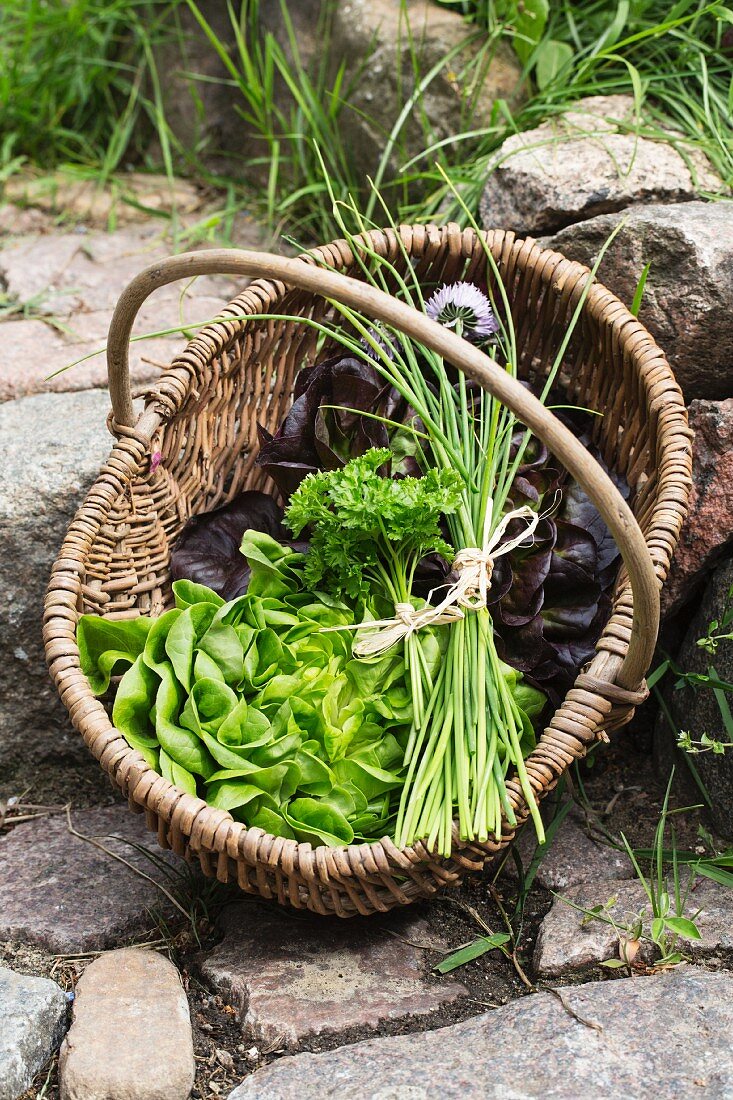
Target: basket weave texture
(201,417)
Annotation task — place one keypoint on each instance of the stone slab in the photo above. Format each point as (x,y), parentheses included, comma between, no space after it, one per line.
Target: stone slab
(66,896)
(572,857)
(32,1023)
(66,284)
(662,1036)
(292,978)
(130,1037)
(37,357)
(566,944)
(124,198)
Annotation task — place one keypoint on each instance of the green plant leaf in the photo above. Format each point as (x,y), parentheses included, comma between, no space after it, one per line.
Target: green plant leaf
(316,777)
(529,20)
(107,644)
(550,59)
(206,668)
(681,926)
(177,775)
(471,951)
(154,653)
(181,744)
(244,726)
(318,823)
(673,959)
(371,780)
(222,643)
(272,821)
(188,593)
(236,795)
(530,700)
(133,705)
(654,677)
(182,637)
(716,874)
(634,308)
(274,567)
(658,926)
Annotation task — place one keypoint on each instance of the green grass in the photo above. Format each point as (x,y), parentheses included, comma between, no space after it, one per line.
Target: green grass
(291,111)
(79,85)
(296,113)
(675,60)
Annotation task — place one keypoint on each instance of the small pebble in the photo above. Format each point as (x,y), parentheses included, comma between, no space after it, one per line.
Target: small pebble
(225,1059)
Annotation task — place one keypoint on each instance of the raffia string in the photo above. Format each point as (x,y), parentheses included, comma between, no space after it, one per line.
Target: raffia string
(469,592)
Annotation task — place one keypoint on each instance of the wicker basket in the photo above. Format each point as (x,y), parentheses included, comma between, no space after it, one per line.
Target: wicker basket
(201,417)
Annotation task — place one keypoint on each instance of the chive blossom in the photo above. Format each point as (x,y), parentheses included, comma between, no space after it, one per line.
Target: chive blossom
(463,307)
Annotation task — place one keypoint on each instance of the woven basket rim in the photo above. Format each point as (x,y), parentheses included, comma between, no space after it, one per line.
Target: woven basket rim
(216,829)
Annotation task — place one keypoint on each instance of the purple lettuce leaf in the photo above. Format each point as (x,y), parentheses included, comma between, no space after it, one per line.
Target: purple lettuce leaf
(551,601)
(207,550)
(517,593)
(320,432)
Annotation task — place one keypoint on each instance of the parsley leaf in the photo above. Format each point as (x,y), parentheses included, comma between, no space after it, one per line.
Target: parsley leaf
(370,531)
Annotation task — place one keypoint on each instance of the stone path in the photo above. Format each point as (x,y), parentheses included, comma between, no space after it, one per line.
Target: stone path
(32,1022)
(664,1036)
(293,977)
(59,287)
(130,1037)
(66,896)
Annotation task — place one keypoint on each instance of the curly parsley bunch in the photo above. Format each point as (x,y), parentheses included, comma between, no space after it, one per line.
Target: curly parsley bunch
(367,529)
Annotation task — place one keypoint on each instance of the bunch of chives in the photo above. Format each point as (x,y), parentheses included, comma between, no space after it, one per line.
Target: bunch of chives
(467,728)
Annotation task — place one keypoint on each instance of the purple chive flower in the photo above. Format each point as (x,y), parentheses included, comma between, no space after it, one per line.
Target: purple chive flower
(155,461)
(384,340)
(462,306)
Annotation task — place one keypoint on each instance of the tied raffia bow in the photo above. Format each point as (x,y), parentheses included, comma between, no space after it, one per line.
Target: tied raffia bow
(469,592)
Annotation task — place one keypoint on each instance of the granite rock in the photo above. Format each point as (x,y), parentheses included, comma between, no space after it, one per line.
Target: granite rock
(688,298)
(567,942)
(662,1036)
(64,895)
(292,978)
(130,1036)
(51,449)
(583,163)
(32,1023)
(708,531)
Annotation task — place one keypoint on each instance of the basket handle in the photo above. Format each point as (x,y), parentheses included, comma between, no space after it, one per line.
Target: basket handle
(475,364)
